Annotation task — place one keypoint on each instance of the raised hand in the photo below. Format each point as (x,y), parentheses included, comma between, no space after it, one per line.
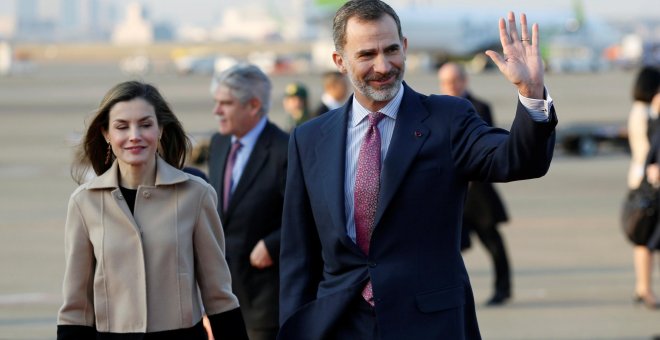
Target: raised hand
(521,63)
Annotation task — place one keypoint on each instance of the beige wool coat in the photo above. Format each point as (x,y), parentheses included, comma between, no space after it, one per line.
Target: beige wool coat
(141,273)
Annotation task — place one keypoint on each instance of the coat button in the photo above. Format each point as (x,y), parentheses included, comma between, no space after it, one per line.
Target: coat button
(146,194)
(120,197)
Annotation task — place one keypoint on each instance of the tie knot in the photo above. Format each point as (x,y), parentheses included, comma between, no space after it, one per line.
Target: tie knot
(236,145)
(375,118)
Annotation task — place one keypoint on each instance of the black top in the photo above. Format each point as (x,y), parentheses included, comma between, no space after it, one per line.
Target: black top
(129,196)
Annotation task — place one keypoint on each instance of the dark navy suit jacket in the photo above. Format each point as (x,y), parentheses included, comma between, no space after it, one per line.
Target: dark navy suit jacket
(254,213)
(420,283)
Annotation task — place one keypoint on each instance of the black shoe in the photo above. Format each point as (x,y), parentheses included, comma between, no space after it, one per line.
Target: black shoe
(498,299)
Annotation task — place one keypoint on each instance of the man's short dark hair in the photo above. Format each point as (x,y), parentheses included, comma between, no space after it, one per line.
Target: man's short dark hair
(364,10)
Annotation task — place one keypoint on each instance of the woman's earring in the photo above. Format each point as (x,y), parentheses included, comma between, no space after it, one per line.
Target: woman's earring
(108,154)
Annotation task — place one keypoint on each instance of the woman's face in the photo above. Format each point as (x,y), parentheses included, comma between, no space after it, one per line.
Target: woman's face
(133,133)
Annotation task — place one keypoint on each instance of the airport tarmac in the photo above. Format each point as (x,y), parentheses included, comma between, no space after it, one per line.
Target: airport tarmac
(572,267)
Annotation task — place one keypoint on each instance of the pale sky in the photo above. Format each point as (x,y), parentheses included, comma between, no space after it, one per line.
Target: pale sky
(207,12)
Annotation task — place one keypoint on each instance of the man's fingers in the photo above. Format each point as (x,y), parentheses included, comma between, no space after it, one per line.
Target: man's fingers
(524,33)
(504,36)
(535,34)
(497,59)
(513,30)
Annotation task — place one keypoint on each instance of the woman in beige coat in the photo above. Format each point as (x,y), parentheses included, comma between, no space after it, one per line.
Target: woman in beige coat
(143,242)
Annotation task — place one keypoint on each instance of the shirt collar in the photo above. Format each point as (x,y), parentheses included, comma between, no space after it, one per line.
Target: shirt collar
(250,138)
(390,110)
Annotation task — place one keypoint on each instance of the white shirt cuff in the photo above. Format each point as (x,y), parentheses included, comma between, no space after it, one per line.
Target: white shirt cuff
(538,109)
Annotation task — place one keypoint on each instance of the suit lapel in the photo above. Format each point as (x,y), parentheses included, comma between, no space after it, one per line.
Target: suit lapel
(255,163)
(407,138)
(331,158)
(217,165)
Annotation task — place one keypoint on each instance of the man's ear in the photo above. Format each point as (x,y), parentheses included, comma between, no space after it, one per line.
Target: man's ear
(405,47)
(339,61)
(254,105)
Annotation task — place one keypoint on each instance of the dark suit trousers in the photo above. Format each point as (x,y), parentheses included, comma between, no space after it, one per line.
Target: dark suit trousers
(359,322)
(492,240)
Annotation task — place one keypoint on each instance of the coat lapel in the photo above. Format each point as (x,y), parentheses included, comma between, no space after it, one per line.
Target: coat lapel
(217,177)
(255,163)
(331,161)
(407,138)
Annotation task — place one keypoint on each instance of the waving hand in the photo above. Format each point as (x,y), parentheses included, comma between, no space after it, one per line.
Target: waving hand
(521,63)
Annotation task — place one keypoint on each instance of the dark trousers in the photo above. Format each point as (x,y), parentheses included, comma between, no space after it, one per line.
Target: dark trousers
(358,323)
(492,240)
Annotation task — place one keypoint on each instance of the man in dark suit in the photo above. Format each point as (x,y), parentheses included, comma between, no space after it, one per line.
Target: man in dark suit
(375,189)
(247,167)
(484,208)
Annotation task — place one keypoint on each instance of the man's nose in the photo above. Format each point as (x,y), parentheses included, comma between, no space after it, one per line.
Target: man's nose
(217,110)
(382,64)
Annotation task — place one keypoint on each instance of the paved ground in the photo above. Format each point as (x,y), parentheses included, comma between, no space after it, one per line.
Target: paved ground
(573,276)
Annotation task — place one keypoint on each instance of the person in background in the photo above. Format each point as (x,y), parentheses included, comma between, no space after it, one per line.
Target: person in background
(335,90)
(247,164)
(484,208)
(295,103)
(653,173)
(143,240)
(640,127)
(375,189)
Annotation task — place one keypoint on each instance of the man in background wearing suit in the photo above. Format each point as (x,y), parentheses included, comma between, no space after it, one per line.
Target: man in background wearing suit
(484,208)
(247,167)
(375,189)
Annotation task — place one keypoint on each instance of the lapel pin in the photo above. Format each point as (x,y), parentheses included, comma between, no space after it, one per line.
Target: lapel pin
(418,133)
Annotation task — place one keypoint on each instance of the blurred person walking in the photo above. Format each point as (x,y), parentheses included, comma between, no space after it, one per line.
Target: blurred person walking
(335,90)
(143,240)
(641,122)
(247,164)
(484,208)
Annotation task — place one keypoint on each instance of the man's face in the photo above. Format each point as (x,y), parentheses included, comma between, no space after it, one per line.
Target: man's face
(374,60)
(451,81)
(233,117)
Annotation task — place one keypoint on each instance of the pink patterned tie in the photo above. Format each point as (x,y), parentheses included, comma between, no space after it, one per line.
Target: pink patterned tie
(367,185)
(229,167)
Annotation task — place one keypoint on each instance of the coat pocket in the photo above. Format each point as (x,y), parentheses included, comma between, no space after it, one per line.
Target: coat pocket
(438,300)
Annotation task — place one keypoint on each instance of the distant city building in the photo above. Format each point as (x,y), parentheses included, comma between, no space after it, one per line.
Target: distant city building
(27,13)
(135,29)
(163,31)
(30,25)
(80,20)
